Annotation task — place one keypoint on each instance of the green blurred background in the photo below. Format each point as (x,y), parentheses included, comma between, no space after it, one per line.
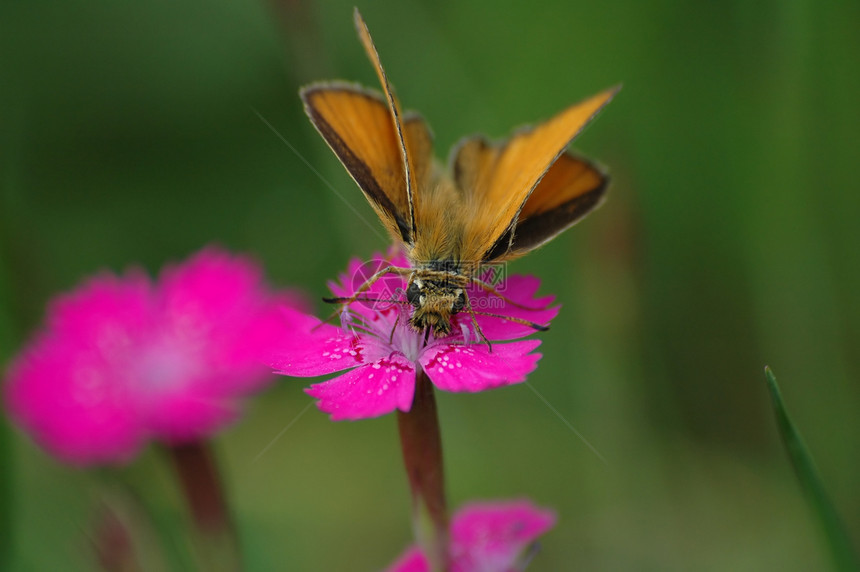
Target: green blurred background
(132,134)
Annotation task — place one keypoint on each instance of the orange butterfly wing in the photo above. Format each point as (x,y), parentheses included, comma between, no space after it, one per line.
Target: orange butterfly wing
(357,125)
(386,153)
(570,189)
(396,115)
(499,181)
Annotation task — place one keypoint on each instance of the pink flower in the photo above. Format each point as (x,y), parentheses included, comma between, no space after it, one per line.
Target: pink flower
(122,360)
(382,352)
(487,537)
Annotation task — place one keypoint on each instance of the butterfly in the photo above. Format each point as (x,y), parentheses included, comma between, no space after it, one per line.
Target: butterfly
(499,201)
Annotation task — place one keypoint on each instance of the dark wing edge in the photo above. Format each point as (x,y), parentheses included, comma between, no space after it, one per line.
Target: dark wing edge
(393,106)
(537,229)
(358,169)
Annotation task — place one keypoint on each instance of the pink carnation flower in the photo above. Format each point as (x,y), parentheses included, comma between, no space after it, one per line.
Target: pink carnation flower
(487,537)
(122,360)
(382,352)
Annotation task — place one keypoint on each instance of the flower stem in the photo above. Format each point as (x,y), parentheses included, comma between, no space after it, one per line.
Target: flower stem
(123,534)
(421,443)
(113,542)
(215,539)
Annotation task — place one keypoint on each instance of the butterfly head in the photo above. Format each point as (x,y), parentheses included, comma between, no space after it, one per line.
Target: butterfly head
(434,301)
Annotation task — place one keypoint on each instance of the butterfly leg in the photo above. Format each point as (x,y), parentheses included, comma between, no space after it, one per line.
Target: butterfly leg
(492,290)
(489,288)
(534,325)
(367,284)
(478,329)
(394,327)
(345,301)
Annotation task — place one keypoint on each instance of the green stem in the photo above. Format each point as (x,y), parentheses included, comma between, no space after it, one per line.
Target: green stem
(421,443)
(215,539)
(7,499)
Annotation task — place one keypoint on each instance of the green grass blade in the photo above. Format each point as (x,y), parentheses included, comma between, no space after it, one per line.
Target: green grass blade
(840,546)
(7,460)
(6,508)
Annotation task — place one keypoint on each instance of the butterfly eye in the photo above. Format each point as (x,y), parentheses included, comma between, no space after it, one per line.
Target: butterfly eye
(413,294)
(459,302)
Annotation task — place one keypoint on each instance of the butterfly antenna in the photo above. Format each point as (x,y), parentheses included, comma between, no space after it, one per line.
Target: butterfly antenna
(346,301)
(350,299)
(367,284)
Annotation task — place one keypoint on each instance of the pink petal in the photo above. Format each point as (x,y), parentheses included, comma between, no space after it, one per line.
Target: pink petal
(216,322)
(519,289)
(215,307)
(474,368)
(190,416)
(121,361)
(311,348)
(492,535)
(106,311)
(244,368)
(210,285)
(358,272)
(385,293)
(67,388)
(75,413)
(487,537)
(368,391)
(412,560)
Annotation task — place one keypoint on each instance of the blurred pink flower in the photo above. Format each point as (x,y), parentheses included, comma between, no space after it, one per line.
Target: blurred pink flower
(383,352)
(487,537)
(122,360)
